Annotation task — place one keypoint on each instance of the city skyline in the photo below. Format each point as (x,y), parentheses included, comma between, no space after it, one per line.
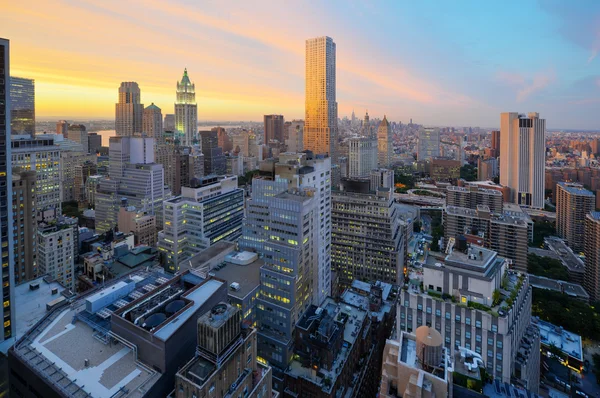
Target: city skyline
(443,75)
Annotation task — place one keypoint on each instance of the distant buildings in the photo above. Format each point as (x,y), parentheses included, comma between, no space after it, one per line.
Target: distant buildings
(22,107)
(495,147)
(385,146)
(366,127)
(209,211)
(522,157)
(141,224)
(24,217)
(78,133)
(62,127)
(214,160)
(94,142)
(152,123)
(362,157)
(444,169)
(169,123)
(321,112)
(295,136)
(573,203)
(591,281)
(186,111)
(129,110)
(382,178)
(274,130)
(181,164)
(428,144)
(223,139)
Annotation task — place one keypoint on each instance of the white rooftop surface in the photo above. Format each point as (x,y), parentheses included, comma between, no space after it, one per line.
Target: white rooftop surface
(107,290)
(364,286)
(30,307)
(111,367)
(569,342)
(411,351)
(199,297)
(241,258)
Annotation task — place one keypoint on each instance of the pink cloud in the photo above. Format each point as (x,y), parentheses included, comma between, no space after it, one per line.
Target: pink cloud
(527,86)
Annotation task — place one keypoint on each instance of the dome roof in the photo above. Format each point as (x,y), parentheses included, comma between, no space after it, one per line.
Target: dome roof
(153,107)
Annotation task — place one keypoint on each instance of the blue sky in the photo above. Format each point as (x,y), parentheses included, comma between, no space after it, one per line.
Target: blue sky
(437,62)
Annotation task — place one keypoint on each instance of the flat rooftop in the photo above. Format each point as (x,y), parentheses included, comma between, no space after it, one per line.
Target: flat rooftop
(30,306)
(571,289)
(565,254)
(211,252)
(498,389)
(575,189)
(569,343)
(248,277)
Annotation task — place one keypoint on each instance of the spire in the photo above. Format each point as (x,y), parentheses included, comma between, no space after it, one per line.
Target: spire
(185,79)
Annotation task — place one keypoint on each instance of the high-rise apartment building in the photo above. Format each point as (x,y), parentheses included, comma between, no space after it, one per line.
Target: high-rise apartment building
(591,281)
(78,133)
(223,139)
(295,133)
(129,110)
(573,203)
(57,250)
(321,112)
(25,225)
(42,155)
(209,211)
(22,106)
(385,146)
(523,157)
(367,241)
(152,123)
(428,144)
(472,196)
(474,300)
(214,160)
(297,170)
(362,157)
(186,111)
(273,130)
(7,310)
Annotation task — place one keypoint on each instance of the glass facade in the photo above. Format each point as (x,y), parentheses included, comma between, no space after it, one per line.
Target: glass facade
(22,98)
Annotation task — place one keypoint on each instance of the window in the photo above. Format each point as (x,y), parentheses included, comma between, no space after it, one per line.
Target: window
(495,328)
(478,349)
(467,335)
(429,310)
(490,353)
(430,287)
(498,356)
(478,324)
(447,339)
(468,320)
(402,315)
(499,344)
(447,315)
(410,317)
(490,341)
(420,307)
(468,346)
(438,312)
(478,338)
(457,318)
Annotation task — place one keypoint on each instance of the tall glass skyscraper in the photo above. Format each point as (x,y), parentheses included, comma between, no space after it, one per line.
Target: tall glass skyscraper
(6,288)
(321,113)
(22,98)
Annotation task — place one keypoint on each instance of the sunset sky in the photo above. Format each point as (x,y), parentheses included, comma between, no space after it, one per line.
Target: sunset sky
(437,62)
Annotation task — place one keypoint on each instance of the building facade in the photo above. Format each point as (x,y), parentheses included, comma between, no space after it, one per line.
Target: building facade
(152,123)
(24,217)
(274,130)
(22,108)
(294,136)
(214,160)
(523,157)
(428,143)
(573,204)
(78,133)
(362,157)
(129,110)
(186,111)
(385,145)
(57,245)
(472,196)
(591,281)
(321,112)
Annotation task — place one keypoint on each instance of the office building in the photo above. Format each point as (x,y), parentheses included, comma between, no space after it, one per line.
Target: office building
(366,127)
(152,123)
(82,172)
(169,123)
(573,204)
(129,110)
(591,281)
(362,157)
(321,112)
(62,127)
(22,106)
(6,222)
(186,111)
(508,233)
(94,143)
(444,169)
(130,338)
(235,165)
(25,225)
(488,312)
(385,145)
(329,340)
(90,188)
(381,178)
(42,155)
(225,364)
(208,211)
(523,157)
(273,130)
(223,139)
(471,196)
(72,155)
(297,170)
(181,164)
(78,133)
(214,160)
(495,144)
(57,250)
(367,241)
(295,136)
(428,143)
(141,224)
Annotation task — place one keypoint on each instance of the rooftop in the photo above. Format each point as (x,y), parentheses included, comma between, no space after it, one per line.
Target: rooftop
(569,343)
(498,389)
(571,289)
(566,255)
(247,276)
(575,189)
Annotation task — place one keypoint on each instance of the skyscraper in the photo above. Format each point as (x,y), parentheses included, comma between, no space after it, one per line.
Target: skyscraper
(362,157)
(385,148)
(169,124)
(495,147)
(366,127)
(22,108)
(62,127)
(7,310)
(78,133)
(273,129)
(186,111)
(522,157)
(428,144)
(128,111)
(214,160)
(321,113)
(223,139)
(94,142)
(573,203)
(25,225)
(591,281)
(152,123)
